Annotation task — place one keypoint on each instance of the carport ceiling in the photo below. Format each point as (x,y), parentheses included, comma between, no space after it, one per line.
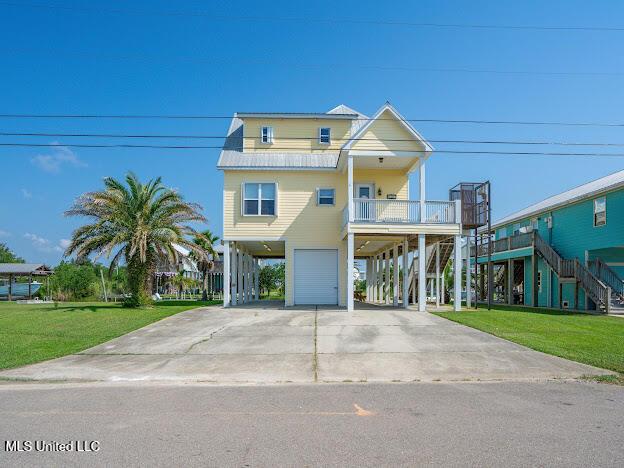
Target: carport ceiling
(264,249)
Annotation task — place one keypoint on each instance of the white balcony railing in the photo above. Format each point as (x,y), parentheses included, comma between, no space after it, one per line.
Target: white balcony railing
(400,212)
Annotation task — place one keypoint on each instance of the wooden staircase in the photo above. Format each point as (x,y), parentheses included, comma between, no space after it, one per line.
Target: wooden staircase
(608,276)
(446,252)
(598,291)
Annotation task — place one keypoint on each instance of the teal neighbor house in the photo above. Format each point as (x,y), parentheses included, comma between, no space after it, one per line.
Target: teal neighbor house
(564,252)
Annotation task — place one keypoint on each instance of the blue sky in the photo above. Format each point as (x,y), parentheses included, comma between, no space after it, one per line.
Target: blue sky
(211,58)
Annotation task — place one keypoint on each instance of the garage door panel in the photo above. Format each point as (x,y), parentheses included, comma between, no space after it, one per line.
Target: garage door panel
(316,276)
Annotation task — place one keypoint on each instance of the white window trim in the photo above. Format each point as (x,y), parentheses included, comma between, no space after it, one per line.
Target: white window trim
(596,212)
(321,142)
(318,196)
(274,215)
(539,281)
(269,135)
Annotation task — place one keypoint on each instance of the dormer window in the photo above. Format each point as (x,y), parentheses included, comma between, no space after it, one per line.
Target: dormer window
(266,135)
(324,135)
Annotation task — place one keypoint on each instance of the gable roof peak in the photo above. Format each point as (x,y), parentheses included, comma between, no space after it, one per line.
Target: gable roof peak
(343,109)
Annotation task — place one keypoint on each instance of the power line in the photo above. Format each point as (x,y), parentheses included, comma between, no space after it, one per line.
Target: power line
(90,55)
(313,138)
(229,117)
(476,152)
(369,22)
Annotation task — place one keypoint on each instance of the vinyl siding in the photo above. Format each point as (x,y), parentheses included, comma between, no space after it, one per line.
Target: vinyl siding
(389,128)
(287,134)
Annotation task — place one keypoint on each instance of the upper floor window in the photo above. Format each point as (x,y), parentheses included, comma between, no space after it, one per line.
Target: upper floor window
(600,211)
(259,199)
(266,134)
(324,135)
(325,196)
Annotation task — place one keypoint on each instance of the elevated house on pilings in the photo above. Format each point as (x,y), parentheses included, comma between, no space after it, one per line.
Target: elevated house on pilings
(564,252)
(322,190)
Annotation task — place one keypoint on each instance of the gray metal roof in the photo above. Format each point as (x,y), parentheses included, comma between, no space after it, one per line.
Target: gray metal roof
(22,268)
(588,190)
(296,115)
(239,160)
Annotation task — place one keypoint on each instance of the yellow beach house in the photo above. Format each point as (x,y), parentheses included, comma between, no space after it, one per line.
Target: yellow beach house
(321,190)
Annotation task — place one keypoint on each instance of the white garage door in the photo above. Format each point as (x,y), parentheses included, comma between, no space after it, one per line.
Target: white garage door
(316,276)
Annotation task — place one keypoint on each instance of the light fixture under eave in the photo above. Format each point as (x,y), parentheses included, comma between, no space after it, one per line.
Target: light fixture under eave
(381,160)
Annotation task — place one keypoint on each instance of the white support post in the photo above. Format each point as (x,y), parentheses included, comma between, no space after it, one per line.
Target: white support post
(257,279)
(422,188)
(422,274)
(350,187)
(442,288)
(437,273)
(226,273)
(457,262)
(234,262)
(249,277)
(395,275)
(374,279)
(350,254)
(414,277)
(405,296)
(240,284)
(369,266)
(387,279)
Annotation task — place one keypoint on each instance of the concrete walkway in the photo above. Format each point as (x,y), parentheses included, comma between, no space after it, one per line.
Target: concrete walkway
(268,344)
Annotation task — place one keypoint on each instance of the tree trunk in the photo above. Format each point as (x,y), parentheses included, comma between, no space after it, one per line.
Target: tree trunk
(205,281)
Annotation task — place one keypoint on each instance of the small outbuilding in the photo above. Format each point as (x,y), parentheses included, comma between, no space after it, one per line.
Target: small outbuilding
(11,271)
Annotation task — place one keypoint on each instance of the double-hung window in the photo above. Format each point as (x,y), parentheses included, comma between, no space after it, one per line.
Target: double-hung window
(324,135)
(266,135)
(259,199)
(326,197)
(600,211)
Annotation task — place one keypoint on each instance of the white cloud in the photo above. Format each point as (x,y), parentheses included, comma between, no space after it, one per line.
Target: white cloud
(42,244)
(60,156)
(26,194)
(64,243)
(4,233)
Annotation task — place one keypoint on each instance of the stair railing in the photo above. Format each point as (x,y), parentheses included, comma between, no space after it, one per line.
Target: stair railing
(604,272)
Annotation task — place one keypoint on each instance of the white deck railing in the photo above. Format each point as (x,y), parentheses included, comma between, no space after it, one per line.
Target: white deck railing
(400,212)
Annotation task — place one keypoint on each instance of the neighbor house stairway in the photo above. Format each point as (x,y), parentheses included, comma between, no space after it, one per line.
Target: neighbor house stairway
(597,290)
(608,276)
(446,251)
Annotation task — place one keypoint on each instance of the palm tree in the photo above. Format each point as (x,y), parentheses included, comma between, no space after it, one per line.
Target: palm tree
(206,242)
(140,223)
(182,283)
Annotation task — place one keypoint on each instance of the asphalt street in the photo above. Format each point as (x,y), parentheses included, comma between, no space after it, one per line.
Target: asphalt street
(549,423)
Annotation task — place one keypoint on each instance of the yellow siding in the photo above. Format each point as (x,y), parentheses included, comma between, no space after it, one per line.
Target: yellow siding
(287,134)
(299,221)
(389,128)
(389,181)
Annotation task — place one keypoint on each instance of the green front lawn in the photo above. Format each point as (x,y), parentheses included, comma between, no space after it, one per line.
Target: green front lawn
(33,333)
(590,339)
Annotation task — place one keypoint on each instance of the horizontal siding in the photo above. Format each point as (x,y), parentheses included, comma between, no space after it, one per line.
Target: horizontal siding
(389,128)
(287,134)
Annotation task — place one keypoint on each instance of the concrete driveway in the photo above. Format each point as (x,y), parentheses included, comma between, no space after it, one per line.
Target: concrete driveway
(268,344)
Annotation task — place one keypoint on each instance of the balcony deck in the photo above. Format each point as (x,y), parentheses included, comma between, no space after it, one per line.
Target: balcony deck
(402,216)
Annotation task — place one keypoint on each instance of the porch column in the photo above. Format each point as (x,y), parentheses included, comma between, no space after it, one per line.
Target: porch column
(257,279)
(422,274)
(234,260)
(350,188)
(239,283)
(369,266)
(457,270)
(374,280)
(442,289)
(414,276)
(405,295)
(226,273)
(421,186)
(437,274)
(249,277)
(350,253)
(395,275)
(387,279)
